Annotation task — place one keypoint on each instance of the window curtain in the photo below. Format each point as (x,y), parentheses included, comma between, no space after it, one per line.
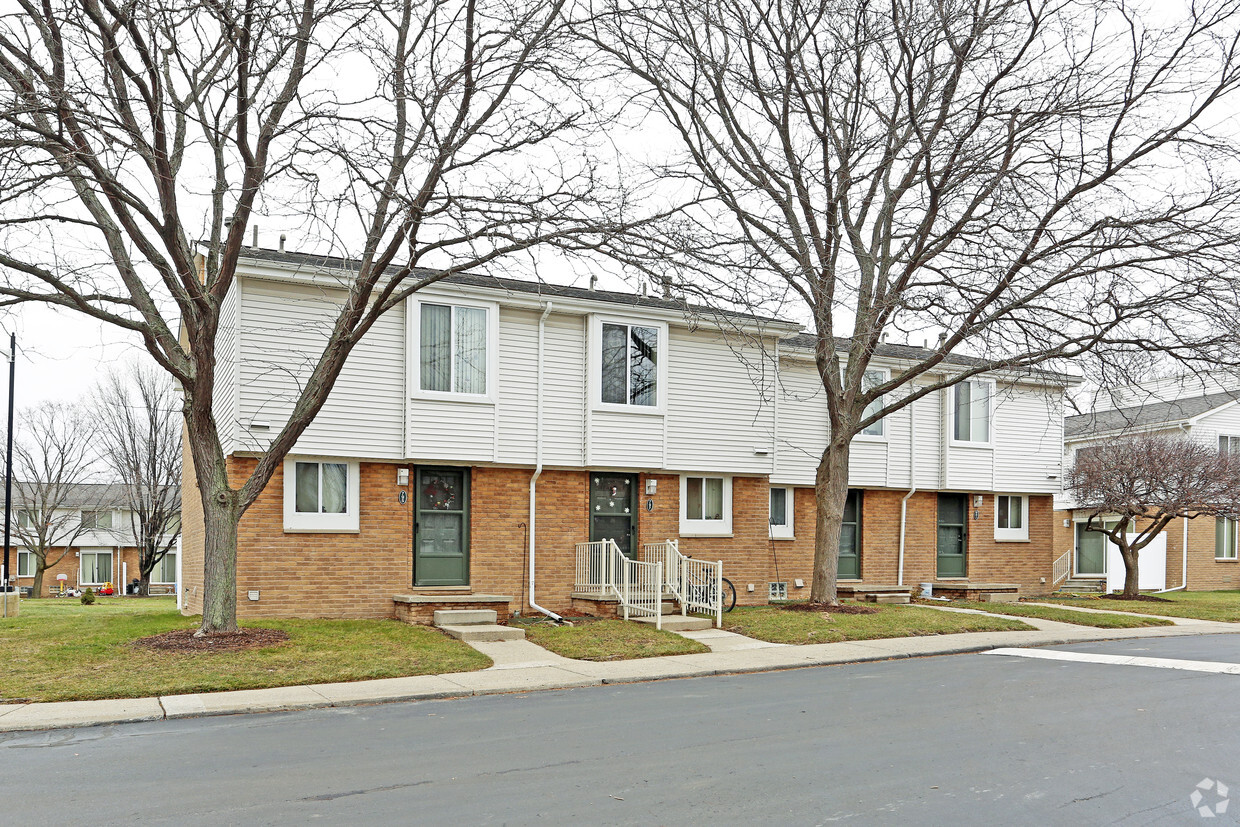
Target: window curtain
(436,347)
(307,493)
(979,413)
(713,500)
(961,418)
(693,498)
(25,564)
(335,488)
(615,380)
(471,350)
(779,506)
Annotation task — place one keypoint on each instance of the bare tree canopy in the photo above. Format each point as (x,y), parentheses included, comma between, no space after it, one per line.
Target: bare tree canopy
(1023,182)
(1147,480)
(139,430)
(417,138)
(54,464)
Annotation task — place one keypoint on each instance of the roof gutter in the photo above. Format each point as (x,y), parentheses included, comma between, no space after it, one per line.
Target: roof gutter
(538,467)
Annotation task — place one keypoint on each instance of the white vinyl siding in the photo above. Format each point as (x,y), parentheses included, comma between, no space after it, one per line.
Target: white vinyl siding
(225,405)
(285,327)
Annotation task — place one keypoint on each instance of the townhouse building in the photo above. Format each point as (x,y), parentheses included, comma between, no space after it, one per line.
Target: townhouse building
(1197,553)
(483,430)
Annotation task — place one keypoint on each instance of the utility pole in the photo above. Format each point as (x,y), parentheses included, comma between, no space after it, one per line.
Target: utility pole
(8,475)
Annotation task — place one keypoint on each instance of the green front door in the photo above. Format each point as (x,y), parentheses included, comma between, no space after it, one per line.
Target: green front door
(613,509)
(850,538)
(952,535)
(441,527)
(1091,550)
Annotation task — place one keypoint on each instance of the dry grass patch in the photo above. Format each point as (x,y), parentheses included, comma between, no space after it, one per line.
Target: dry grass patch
(1099,621)
(60,650)
(1222,606)
(779,624)
(602,640)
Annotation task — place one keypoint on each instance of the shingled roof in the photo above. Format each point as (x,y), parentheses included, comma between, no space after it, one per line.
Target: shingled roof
(1145,415)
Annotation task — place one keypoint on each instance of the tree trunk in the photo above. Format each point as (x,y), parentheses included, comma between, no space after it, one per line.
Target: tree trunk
(37,589)
(144,583)
(830,494)
(1130,572)
(219,597)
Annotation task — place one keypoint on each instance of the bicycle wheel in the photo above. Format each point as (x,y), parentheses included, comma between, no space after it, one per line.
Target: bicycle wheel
(729,595)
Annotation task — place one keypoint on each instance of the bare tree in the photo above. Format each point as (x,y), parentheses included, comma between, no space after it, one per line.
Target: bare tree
(53,475)
(1022,182)
(139,428)
(138,141)
(1147,480)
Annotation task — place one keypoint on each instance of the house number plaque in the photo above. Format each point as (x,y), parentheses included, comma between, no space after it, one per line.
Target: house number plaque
(403,497)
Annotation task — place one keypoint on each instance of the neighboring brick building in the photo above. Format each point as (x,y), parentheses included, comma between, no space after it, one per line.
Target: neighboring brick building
(91,542)
(1203,408)
(620,417)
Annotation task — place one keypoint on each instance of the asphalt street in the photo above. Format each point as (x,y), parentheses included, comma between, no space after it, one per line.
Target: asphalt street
(966,739)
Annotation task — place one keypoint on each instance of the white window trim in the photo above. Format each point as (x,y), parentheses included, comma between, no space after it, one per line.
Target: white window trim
(1235,546)
(413,345)
(1106,542)
(1013,535)
(1228,436)
(883,437)
(783,532)
(951,417)
(82,581)
(595,381)
(33,563)
(159,565)
(707,528)
(114,516)
(298,522)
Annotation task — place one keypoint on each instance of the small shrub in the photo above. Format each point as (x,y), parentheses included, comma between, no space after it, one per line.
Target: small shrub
(88,596)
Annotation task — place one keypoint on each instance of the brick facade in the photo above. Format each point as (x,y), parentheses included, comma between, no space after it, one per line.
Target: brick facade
(123,559)
(357,574)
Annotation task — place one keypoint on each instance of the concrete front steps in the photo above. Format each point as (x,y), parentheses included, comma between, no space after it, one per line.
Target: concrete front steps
(1083,584)
(679,623)
(475,626)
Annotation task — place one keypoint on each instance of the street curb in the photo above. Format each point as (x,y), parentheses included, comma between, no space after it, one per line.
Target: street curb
(71,714)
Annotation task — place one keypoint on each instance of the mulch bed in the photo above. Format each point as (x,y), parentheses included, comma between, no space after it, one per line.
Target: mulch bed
(183,640)
(841,609)
(1148,598)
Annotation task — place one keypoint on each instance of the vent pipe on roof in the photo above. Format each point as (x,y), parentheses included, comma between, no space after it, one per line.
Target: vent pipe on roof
(282,238)
(666,281)
(593,281)
(254,243)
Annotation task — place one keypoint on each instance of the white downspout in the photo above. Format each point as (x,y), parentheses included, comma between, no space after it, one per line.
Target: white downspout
(538,467)
(912,481)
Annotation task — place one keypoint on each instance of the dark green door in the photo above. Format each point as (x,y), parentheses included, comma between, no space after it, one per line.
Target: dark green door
(850,538)
(613,510)
(952,535)
(441,527)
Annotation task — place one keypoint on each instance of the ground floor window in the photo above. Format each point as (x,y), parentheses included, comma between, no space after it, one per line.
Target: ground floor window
(705,506)
(850,537)
(782,504)
(96,568)
(25,564)
(165,570)
(1011,517)
(1091,548)
(1225,539)
(321,495)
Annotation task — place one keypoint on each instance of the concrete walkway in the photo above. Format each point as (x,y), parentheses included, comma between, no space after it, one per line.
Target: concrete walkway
(521,666)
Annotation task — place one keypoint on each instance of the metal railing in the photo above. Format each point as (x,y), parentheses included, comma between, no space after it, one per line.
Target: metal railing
(602,569)
(696,584)
(1063,568)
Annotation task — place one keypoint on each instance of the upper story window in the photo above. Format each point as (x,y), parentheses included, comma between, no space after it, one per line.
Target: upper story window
(629,364)
(452,348)
(97,519)
(1011,517)
(321,495)
(971,411)
(872,379)
(1229,444)
(781,513)
(23,518)
(705,506)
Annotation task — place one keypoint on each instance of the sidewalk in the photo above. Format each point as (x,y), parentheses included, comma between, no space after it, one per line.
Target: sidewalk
(521,666)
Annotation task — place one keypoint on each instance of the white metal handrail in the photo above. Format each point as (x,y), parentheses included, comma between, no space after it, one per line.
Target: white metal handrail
(696,584)
(1063,567)
(602,569)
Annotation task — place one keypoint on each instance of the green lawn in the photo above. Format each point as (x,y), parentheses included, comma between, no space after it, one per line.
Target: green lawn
(608,640)
(779,625)
(1101,621)
(1221,605)
(60,650)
